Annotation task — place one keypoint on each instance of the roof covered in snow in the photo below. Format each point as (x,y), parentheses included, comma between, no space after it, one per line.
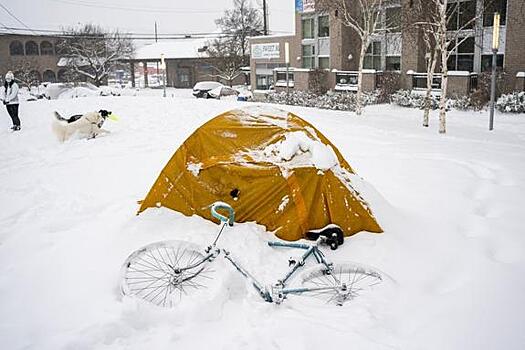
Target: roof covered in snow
(172,49)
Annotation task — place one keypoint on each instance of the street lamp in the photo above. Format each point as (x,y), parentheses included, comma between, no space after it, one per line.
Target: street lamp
(163,67)
(495,47)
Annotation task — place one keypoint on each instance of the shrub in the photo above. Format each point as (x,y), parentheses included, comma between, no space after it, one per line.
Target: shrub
(511,103)
(342,101)
(407,98)
(461,103)
(387,83)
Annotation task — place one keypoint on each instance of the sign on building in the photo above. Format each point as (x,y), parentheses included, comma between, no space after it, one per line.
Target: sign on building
(270,50)
(308,5)
(303,6)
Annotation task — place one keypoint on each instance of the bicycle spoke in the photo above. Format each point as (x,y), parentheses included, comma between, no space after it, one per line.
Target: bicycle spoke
(343,284)
(158,273)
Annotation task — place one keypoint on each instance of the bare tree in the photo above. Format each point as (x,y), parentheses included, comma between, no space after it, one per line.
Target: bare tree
(427,14)
(240,23)
(225,60)
(443,33)
(229,53)
(26,72)
(365,17)
(92,52)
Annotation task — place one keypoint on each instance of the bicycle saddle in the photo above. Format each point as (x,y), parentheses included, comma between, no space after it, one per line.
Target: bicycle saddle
(333,233)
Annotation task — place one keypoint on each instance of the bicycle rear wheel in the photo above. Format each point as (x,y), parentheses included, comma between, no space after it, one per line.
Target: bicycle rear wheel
(341,284)
(161,273)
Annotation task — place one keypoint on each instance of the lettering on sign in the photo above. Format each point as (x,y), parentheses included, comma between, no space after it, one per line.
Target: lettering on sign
(270,50)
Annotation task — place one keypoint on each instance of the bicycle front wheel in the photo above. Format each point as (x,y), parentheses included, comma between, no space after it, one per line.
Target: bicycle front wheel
(341,284)
(161,273)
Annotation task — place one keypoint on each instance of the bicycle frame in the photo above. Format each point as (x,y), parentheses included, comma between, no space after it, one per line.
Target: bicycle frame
(279,290)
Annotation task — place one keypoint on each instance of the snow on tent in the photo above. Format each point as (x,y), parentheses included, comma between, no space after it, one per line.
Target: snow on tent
(271,166)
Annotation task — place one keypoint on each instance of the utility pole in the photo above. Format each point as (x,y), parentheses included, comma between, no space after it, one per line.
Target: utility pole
(265,18)
(156,41)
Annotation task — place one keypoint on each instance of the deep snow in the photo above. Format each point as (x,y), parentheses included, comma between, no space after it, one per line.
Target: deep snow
(451,207)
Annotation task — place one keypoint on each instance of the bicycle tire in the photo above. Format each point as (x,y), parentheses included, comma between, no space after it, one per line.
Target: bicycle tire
(152,273)
(346,282)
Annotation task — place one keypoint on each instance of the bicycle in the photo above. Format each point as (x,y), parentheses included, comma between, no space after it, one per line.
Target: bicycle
(161,273)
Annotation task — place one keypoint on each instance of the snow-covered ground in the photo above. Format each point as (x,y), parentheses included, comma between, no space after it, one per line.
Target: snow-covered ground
(451,209)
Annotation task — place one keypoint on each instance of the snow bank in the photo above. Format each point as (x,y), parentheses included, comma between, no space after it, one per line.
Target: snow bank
(453,240)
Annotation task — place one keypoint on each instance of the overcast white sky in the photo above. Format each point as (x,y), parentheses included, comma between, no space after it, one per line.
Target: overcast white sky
(137,16)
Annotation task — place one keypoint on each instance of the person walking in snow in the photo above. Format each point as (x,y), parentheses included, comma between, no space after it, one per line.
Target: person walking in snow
(10,99)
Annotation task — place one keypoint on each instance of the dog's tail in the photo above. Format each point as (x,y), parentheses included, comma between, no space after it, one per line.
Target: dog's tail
(59,117)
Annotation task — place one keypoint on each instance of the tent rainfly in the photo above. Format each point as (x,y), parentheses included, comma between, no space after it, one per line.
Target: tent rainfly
(271,166)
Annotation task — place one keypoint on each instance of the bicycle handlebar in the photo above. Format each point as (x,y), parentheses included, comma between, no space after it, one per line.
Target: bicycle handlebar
(221,205)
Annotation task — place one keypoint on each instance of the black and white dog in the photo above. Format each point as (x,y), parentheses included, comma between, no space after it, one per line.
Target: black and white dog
(88,125)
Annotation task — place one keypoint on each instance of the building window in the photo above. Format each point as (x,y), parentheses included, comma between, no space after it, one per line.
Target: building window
(324,62)
(419,81)
(49,76)
(263,82)
(461,14)
(393,19)
(346,78)
(393,63)
(31,48)
(463,57)
(324,26)
(46,48)
(280,77)
(183,77)
(308,56)
(16,48)
(373,56)
(492,6)
(486,62)
(308,28)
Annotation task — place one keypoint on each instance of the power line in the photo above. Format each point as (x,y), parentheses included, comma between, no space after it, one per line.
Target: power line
(136,9)
(132,36)
(146,36)
(16,18)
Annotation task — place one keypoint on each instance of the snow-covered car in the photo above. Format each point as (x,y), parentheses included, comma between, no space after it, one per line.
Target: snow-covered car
(203,88)
(221,91)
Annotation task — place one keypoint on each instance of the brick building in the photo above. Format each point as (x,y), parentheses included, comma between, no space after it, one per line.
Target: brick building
(322,45)
(36,50)
(186,64)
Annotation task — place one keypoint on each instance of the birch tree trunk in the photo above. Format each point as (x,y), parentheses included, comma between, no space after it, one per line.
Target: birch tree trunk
(359,106)
(444,67)
(443,99)
(431,68)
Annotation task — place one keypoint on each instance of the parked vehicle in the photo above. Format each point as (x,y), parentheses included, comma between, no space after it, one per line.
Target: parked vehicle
(221,91)
(203,88)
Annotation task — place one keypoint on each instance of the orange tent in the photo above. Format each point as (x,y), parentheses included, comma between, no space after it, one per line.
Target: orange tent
(272,167)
